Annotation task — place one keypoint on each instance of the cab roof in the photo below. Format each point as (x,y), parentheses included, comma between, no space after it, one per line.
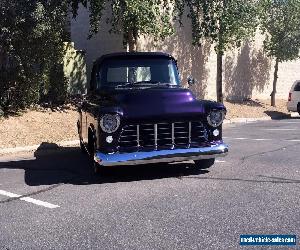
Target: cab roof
(122,55)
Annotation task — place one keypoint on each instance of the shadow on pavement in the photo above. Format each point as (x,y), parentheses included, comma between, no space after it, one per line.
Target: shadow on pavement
(276,115)
(58,165)
(266,179)
(70,166)
(246,102)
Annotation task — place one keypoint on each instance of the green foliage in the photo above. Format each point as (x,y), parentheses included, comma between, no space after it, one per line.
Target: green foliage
(280,22)
(224,22)
(134,18)
(31,44)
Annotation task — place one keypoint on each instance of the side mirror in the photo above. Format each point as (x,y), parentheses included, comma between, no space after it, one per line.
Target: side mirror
(191,80)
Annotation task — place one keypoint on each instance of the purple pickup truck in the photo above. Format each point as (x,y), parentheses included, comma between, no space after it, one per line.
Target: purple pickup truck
(137,112)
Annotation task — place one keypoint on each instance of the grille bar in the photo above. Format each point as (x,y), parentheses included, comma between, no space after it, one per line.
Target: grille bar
(162,135)
(155,135)
(138,135)
(190,132)
(173,134)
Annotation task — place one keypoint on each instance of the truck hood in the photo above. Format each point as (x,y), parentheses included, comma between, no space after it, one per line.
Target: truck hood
(156,104)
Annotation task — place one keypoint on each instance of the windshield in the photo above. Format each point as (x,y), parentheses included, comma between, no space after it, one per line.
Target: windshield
(131,72)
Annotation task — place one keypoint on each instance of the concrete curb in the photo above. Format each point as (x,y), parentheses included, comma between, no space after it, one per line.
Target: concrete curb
(249,120)
(50,146)
(246,120)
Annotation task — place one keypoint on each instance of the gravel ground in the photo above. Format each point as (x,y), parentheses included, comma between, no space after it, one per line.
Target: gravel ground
(256,109)
(34,127)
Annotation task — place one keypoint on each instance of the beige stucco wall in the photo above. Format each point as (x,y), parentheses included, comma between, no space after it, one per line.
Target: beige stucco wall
(248,73)
(100,44)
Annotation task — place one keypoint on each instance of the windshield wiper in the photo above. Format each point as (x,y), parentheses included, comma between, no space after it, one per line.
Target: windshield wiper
(154,83)
(148,82)
(135,84)
(127,84)
(144,83)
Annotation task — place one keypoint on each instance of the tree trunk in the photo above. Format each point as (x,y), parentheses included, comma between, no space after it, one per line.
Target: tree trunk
(273,94)
(131,41)
(219,77)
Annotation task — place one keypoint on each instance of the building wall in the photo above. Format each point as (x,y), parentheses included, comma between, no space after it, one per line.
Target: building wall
(100,44)
(248,73)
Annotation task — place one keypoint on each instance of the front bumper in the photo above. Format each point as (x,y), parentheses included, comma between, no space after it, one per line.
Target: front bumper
(171,155)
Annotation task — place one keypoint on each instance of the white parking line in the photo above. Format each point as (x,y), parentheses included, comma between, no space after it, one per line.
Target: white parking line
(262,139)
(295,122)
(218,161)
(28,199)
(281,129)
(237,138)
(9,194)
(39,203)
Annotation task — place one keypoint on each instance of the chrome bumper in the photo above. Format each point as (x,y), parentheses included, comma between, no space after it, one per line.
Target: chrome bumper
(171,155)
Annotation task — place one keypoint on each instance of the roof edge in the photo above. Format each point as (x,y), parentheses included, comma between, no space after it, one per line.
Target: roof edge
(132,54)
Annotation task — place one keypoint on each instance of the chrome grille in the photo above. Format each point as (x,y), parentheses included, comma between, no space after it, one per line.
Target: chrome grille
(162,135)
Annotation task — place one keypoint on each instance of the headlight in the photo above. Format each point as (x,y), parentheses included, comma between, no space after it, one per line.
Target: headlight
(215,118)
(110,123)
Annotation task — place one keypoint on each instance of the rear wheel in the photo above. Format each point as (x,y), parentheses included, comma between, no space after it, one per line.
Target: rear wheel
(204,164)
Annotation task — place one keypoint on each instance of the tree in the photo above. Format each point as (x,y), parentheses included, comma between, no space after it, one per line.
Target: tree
(226,23)
(31,47)
(133,18)
(280,22)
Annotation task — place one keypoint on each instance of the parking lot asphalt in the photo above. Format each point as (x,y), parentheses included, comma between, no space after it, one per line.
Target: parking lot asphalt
(51,200)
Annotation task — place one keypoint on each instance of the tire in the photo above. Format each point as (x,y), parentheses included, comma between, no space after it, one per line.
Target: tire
(91,144)
(96,168)
(204,164)
(82,147)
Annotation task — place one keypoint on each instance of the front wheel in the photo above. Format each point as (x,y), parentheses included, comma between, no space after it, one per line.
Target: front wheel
(96,168)
(204,164)
(82,147)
